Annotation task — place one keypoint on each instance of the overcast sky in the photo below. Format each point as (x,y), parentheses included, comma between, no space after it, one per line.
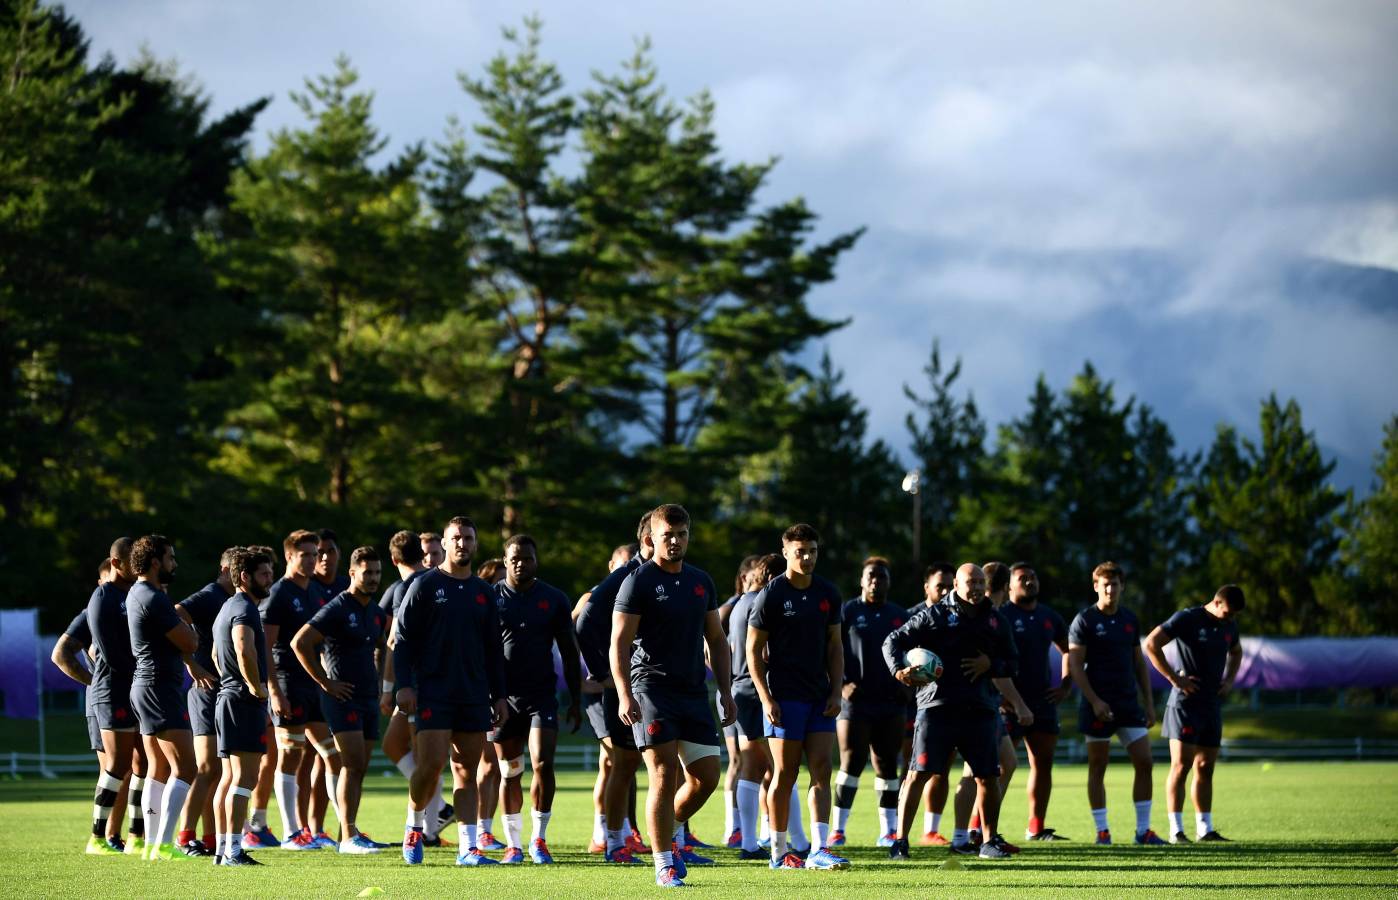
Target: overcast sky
(1043,183)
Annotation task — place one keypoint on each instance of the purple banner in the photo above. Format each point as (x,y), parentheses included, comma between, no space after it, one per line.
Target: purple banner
(19,653)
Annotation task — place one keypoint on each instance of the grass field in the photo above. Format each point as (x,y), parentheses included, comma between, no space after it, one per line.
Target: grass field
(1320,829)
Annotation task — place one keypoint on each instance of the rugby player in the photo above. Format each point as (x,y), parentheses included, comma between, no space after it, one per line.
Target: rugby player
(432,551)
(1105,659)
(959,712)
(669,609)
(1210,653)
(240,710)
(450,675)
(873,704)
(256,834)
(317,777)
(350,629)
(731,836)
(534,617)
(937,582)
(160,643)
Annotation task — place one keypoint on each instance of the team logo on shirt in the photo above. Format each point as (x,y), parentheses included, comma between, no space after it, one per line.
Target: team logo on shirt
(994,622)
(1048,626)
(698,590)
(354,620)
(1101,630)
(825,606)
(897,623)
(953,619)
(859,621)
(441,595)
(480,599)
(1203,634)
(543,604)
(660,592)
(1019,625)
(787,608)
(1129,628)
(296,603)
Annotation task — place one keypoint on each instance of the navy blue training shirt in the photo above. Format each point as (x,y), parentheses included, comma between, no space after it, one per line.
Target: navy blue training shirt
(738,642)
(1034,632)
(149,616)
(1111,642)
(863,628)
(956,633)
(352,631)
(323,593)
(238,610)
(531,621)
(79,630)
(393,597)
(288,606)
(203,608)
(447,640)
(114,666)
(669,650)
(1204,643)
(594,624)
(797,622)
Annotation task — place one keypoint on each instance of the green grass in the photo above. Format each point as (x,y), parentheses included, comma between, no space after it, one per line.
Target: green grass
(1322,829)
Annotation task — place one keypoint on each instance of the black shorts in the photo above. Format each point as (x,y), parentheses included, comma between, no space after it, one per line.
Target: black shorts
(970,732)
(1045,722)
(201,710)
(304,699)
(444,715)
(1198,725)
(160,707)
(527,713)
(1124,715)
(667,716)
(240,725)
(751,718)
(865,709)
(606,722)
(94,734)
(118,716)
(351,715)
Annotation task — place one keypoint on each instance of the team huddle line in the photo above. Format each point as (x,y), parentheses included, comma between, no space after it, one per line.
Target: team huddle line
(463,661)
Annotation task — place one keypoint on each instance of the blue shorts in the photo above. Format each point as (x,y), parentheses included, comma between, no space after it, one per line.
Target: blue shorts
(1124,715)
(240,724)
(667,716)
(1201,726)
(444,715)
(603,716)
(942,730)
(160,707)
(304,699)
(527,713)
(751,716)
(201,710)
(118,716)
(799,718)
(344,716)
(1045,722)
(94,734)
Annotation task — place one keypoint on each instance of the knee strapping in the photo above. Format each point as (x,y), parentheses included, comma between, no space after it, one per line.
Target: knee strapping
(690,752)
(327,748)
(239,791)
(514,767)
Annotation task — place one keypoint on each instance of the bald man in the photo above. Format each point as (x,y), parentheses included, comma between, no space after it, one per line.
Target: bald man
(957,712)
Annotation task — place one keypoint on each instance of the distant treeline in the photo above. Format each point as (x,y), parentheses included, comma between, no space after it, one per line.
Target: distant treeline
(550,321)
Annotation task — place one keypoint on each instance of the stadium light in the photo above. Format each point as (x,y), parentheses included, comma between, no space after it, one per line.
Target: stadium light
(912,484)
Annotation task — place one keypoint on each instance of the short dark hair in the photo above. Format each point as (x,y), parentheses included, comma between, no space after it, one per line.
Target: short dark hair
(520,540)
(326,534)
(670,514)
(297,538)
(643,528)
(876,561)
(770,566)
(363,554)
(121,550)
(460,522)
(997,574)
(1015,567)
(267,552)
(225,559)
(489,569)
(406,548)
(246,561)
(628,549)
(147,550)
(800,532)
(744,568)
(1232,595)
(938,566)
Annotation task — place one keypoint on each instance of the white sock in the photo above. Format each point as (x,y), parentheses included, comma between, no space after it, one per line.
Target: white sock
(486,824)
(664,859)
(155,791)
(332,785)
(1142,816)
(1099,818)
(514,824)
(286,792)
(841,818)
(766,832)
(220,843)
(679,833)
(822,836)
(889,817)
(793,821)
(407,764)
(931,821)
(778,844)
(541,824)
(433,809)
(615,841)
(599,828)
(1203,823)
(258,821)
(1176,823)
(626,828)
(171,804)
(468,833)
(749,793)
(417,818)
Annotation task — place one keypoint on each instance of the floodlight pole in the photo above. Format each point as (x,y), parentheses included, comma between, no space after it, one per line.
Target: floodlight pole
(912,484)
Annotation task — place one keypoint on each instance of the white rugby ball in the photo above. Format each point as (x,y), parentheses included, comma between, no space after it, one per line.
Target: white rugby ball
(928,664)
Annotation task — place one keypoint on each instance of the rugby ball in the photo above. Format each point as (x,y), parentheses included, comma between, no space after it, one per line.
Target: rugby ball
(928,664)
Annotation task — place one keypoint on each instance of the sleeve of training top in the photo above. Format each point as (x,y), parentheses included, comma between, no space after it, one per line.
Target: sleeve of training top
(1077,632)
(79,631)
(758,616)
(163,617)
(408,634)
(593,633)
(1172,625)
(912,634)
(628,601)
(329,620)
